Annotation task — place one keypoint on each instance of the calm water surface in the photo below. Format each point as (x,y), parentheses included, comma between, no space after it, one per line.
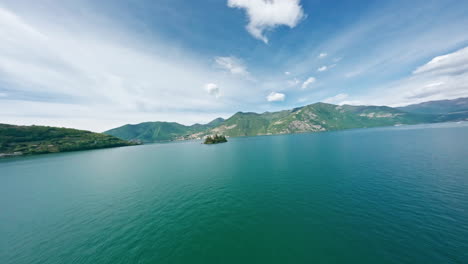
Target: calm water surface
(388,195)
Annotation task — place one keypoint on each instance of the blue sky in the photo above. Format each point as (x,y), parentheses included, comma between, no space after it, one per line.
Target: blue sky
(100,64)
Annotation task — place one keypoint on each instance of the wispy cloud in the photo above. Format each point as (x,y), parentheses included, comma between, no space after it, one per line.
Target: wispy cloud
(456,62)
(266,15)
(307,82)
(373,56)
(352,74)
(443,77)
(90,68)
(80,67)
(233,65)
(337,99)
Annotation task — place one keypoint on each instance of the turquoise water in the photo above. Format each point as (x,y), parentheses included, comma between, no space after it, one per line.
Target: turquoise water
(388,195)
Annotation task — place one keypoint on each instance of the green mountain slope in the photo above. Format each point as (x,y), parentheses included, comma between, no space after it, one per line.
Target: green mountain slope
(27,140)
(311,118)
(149,131)
(243,124)
(160,131)
(316,117)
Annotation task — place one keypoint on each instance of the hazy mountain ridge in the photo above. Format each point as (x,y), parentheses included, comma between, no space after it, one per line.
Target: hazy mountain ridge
(438,107)
(311,118)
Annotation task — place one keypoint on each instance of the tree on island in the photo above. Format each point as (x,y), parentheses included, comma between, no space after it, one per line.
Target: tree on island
(215,139)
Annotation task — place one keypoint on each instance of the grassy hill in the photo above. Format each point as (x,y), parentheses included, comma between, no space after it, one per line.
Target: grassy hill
(28,140)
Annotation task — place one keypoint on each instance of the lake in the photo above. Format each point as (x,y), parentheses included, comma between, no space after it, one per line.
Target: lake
(384,195)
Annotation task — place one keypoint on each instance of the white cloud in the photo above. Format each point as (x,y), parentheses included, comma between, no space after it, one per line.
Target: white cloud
(428,88)
(287,73)
(99,68)
(409,45)
(337,99)
(322,69)
(276,97)
(307,82)
(267,14)
(3,95)
(233,65)
(96,118)
(322,55)
(446,64)
(212,89)
(443,77)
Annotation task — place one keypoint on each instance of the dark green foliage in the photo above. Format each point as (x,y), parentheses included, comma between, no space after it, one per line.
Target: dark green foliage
(27,140)
(215,139)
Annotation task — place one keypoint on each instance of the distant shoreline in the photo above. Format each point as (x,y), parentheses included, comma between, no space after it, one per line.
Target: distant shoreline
(316,117)
(4,155)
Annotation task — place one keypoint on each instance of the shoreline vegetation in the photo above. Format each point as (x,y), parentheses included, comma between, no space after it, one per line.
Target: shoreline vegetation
(44,148)
(319,117)
(216,139)
(32,140)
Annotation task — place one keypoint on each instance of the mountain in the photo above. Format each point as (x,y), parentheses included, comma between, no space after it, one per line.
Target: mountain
(314,118)
(438,107)
(27,140)
(311,118)
(161,131)
(216,122)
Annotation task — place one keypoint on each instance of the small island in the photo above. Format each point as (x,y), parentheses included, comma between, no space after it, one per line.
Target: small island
(215,139)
